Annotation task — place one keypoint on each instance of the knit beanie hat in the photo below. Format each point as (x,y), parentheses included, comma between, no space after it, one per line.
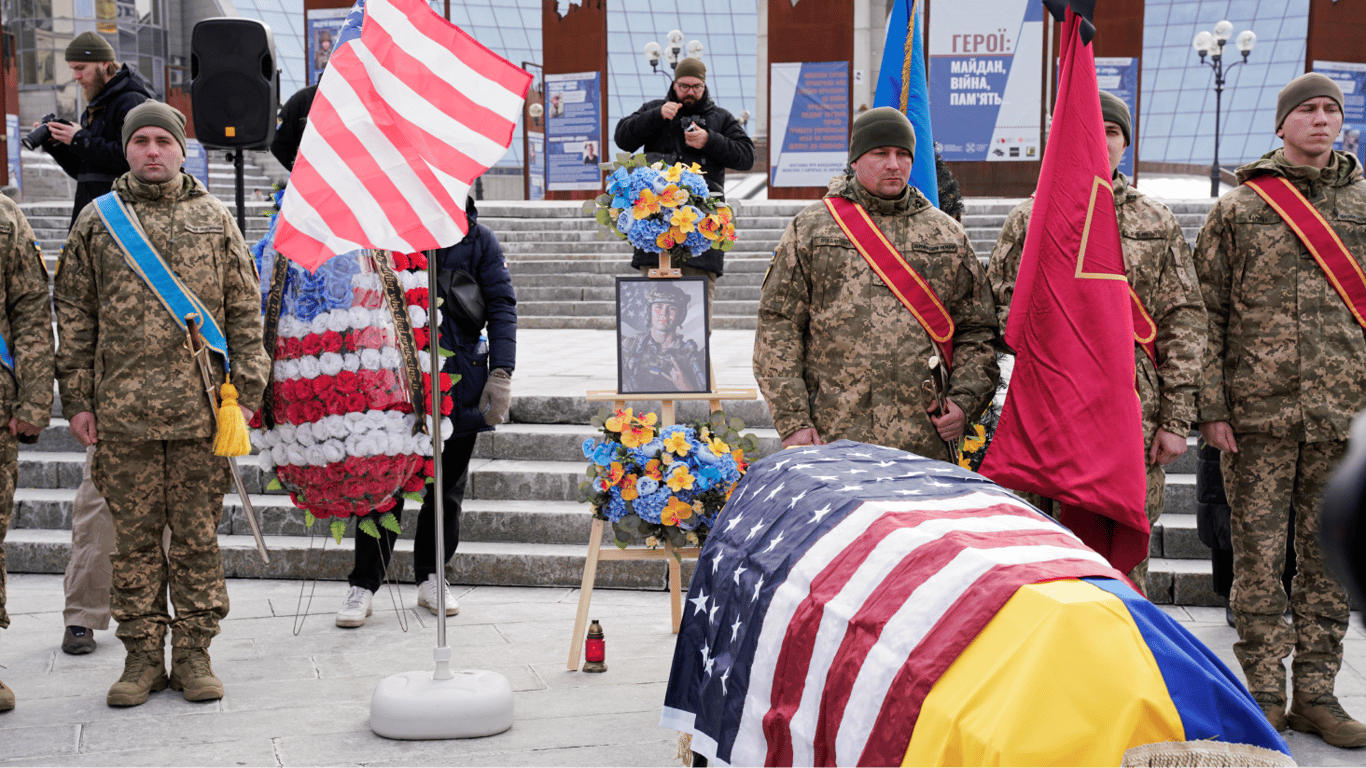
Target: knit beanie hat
(1302,89)
(158,114)
(89,46)
(1114,110)
(691,67)
(881,127)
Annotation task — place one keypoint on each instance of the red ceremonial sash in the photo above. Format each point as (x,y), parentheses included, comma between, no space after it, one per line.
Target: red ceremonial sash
(1145,329)
(907,284)
(1318,236)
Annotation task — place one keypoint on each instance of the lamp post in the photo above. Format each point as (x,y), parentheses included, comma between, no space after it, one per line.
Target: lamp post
(1212,44)
(671,53)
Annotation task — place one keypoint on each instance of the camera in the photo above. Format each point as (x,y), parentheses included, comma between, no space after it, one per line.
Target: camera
(42,133)
(691,123)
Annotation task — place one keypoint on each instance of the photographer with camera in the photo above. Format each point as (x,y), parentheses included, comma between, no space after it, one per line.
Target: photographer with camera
(687,126)
(92,152)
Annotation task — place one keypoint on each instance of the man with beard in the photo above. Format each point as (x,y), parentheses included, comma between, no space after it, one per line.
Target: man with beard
(91,152)
(687,126)
(661,360)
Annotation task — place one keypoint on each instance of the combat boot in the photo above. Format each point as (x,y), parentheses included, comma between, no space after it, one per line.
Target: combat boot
(1273,707)
(192,672)
(1323,715)
(144,673)
(6,698)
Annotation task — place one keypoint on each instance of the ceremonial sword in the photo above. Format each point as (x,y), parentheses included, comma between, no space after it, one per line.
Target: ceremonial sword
(200,353)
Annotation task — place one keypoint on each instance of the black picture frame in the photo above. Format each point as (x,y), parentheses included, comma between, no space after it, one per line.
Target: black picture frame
(683,365)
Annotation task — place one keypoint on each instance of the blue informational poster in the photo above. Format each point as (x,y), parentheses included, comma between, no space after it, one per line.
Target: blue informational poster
(1119,76)
(985,79)
(573,131)
(535,163)
(16,164)
(324,24)
(197,160)
(809,113)
(1352,78)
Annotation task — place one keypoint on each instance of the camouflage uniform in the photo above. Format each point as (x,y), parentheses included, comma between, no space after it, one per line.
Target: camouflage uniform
(837,351)
(1157,262)
(1286,368)
(26,325)
(123,358)
(647,364)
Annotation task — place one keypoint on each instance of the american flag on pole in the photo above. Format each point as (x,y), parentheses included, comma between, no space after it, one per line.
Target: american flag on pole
(406,117)
(839,584)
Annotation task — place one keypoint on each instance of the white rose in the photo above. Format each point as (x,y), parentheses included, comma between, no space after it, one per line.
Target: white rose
(286,432)
(330,363)
(315,456)
(264,460)
(309,368)
(304,434)
(334,451)
(417,316)
(390,358)
(370,359)
(351,361)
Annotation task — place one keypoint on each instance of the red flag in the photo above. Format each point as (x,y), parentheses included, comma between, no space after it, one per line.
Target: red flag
(406,117)
(1071,428)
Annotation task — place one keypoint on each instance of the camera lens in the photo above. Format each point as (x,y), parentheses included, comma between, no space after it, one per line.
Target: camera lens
(36,137)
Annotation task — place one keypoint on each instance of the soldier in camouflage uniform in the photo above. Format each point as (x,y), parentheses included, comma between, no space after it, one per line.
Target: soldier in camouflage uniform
(135,393)
(26,391)
(1285,372)
(836,354)
(660,360)
(1157,262)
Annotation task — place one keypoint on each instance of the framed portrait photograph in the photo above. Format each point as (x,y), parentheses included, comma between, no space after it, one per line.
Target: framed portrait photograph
(662,336)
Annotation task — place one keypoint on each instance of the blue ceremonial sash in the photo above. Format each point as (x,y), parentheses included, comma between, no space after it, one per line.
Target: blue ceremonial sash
(6,358)
(138,253)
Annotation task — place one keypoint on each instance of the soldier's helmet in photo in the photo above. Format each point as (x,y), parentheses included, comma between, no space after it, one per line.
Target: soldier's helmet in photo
(666,293)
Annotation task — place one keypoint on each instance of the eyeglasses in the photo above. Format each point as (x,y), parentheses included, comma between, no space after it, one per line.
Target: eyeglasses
(691,88)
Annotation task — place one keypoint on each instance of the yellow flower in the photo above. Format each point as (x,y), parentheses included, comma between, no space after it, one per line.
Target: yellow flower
(718,447)
(695,168)
(684,219)
(654,470)
(724,213)
(666,239)
(979,439)
(739,455)
(710,227)
(628,488)
(635,436)
(673,196)
(680,479)
(677,443)
(675,511)
(619,421)
(647,204)
(615,473)
(673,173)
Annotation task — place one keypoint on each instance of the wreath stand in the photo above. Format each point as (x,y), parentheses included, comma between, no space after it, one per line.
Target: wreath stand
(669,552)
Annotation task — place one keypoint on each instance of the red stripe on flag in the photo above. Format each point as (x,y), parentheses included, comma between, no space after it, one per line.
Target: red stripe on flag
(299,246)
(436,89)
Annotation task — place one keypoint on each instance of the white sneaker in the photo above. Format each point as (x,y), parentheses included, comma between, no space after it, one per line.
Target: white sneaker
(355,608)
(427,598)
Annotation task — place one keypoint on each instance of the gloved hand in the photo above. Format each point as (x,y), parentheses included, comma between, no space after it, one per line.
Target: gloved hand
(496,398)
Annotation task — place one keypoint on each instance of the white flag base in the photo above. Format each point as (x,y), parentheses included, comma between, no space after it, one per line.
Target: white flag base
(426,705)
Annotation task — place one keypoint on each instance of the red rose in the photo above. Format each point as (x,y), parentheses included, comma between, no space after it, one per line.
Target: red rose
(334,403)
(382,487)
(421,336)
(417,260)
(414,484)
(429,468)
(312,344)
(321,385)
(356,465)
(417,296)
(294,413)
(402,406)
(355,402)
(354,488)
(400,261)
(331,341)
(280,389)
(314,411)
(446,405)
(348,381)
(256,421)
(386,505)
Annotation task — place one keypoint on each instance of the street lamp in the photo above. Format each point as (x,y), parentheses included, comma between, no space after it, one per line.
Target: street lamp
(671,53)
(1212,44)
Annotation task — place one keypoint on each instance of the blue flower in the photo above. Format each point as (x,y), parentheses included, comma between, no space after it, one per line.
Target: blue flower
(625,221)
(694,184)
(619,182)
(334,278)
(644,233)
(602,455)
(616,508)
(588,448)
(649,507)
(646,485)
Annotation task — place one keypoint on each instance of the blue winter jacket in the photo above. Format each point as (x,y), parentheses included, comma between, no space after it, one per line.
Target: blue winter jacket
(481,256)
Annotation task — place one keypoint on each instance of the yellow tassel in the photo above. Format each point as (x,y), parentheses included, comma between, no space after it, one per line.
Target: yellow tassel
(232,437)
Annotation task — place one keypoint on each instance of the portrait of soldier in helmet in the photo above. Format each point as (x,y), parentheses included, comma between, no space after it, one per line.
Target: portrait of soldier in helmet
(662,335)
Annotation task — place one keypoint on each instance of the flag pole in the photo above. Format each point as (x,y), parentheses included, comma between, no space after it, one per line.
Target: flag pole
(440,704)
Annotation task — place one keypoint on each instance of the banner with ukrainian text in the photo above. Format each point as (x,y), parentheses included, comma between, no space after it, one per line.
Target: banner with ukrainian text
(809,122)
(985,58)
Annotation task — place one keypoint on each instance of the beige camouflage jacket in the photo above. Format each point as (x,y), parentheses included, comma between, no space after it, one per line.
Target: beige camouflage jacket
(1157,262)
(837,351)
(122,355)
(26,323)
(1285,356)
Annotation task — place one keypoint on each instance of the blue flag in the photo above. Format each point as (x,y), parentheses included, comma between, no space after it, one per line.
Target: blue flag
(901,84)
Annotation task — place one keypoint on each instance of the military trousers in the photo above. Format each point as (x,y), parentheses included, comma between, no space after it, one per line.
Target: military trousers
(9,478)
(1263,479)
(151,486)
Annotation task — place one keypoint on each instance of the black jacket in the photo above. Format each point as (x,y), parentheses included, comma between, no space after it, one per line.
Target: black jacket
(293,120)
(95,156)
(728,146)
(480,255)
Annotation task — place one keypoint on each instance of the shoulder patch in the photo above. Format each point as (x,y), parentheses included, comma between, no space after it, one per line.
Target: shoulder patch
(934,247)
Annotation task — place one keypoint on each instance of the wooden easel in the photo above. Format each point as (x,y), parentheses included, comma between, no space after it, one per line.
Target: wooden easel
(595,551)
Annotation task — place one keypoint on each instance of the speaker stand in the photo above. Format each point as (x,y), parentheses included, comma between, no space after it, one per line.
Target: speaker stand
(239,167)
